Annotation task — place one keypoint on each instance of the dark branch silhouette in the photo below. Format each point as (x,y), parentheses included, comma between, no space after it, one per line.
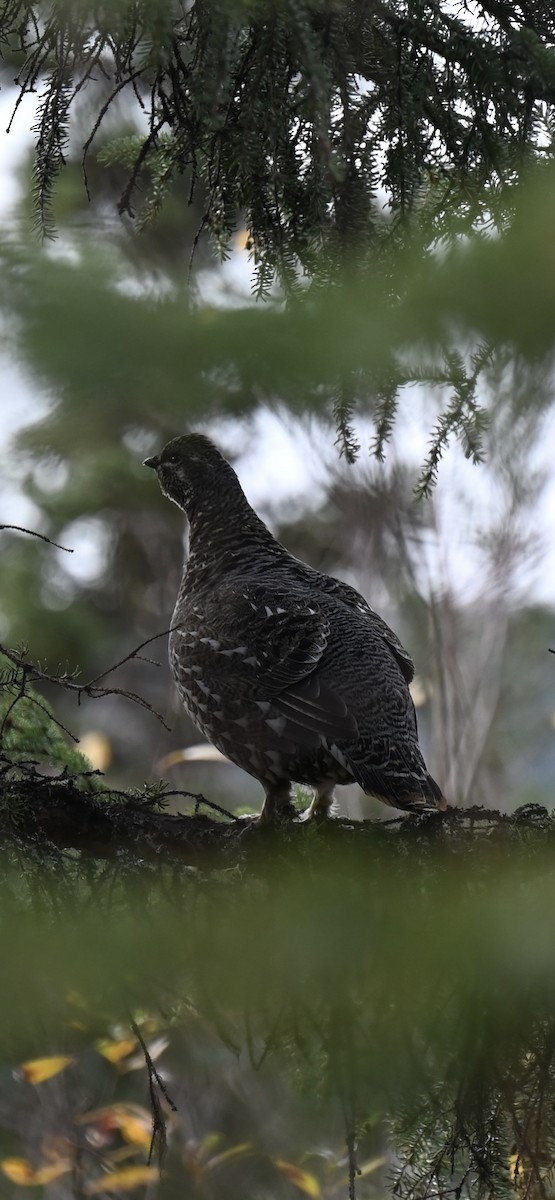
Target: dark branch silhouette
(42,536)
(32,672)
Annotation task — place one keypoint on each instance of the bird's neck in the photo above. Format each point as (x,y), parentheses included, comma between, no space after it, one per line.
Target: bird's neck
(225,534)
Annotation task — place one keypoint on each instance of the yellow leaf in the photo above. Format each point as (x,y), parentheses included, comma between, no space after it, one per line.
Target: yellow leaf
(114,1051)
(208,1144)
(240,1151)
(36,1070)
(306,1182)
(131,1120)
(53,1171)
(21,1171)
(514,1166)
(367,1168)
(123,1181)
(136,1131)
(123,1154)
(372,1165)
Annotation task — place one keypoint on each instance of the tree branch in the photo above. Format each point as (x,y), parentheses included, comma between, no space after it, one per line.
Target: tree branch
(42,536)
(34,673)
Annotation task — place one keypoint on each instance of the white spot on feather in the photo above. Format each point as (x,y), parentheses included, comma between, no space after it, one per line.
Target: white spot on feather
(277,724)
(273,756)
(337,754)
(212,642)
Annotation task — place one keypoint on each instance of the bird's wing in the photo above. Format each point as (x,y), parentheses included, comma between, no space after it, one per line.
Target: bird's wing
(313,706)
(274,655)
(287,637)
(352,599)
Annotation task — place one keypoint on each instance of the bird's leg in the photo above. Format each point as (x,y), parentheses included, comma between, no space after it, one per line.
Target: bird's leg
(278,804)
(321,804)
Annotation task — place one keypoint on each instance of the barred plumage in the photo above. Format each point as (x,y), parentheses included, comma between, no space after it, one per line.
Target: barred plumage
(287,671)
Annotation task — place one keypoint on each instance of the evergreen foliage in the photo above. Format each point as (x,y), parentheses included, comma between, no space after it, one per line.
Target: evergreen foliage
(336,131)
(29,732)
(298,114)
(402,975)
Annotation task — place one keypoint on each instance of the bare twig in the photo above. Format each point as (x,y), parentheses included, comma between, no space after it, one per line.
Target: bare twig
(351,1143)
(209,804)
(196,796)
(100,117)
(156,1085)
(42,536)
(132,654)
(34,673)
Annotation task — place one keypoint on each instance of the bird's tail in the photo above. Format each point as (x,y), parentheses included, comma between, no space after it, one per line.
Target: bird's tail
(410,790)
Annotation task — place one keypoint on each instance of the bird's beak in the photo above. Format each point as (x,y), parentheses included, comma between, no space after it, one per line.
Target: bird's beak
(151,462)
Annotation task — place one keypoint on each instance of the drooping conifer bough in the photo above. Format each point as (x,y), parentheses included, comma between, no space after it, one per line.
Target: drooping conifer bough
(287,671)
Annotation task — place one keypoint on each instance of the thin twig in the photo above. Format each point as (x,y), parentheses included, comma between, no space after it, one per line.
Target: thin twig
(209,804)
(124,203)
(42,536)
(133,654)
(351,1143)
(34,673)
(100,117)
(155,1083)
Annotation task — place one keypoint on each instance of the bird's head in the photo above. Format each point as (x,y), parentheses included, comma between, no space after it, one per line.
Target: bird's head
(192,472)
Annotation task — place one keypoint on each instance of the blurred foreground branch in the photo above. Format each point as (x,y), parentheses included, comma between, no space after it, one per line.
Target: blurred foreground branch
(397,971)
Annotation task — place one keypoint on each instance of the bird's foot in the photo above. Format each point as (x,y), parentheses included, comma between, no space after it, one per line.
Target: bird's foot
(246,822)
(316,816)
(278,807)
(321,807)
(274,815)
(269,818)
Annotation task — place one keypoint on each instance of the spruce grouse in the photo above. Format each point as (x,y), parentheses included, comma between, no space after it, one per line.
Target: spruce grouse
(287,671)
